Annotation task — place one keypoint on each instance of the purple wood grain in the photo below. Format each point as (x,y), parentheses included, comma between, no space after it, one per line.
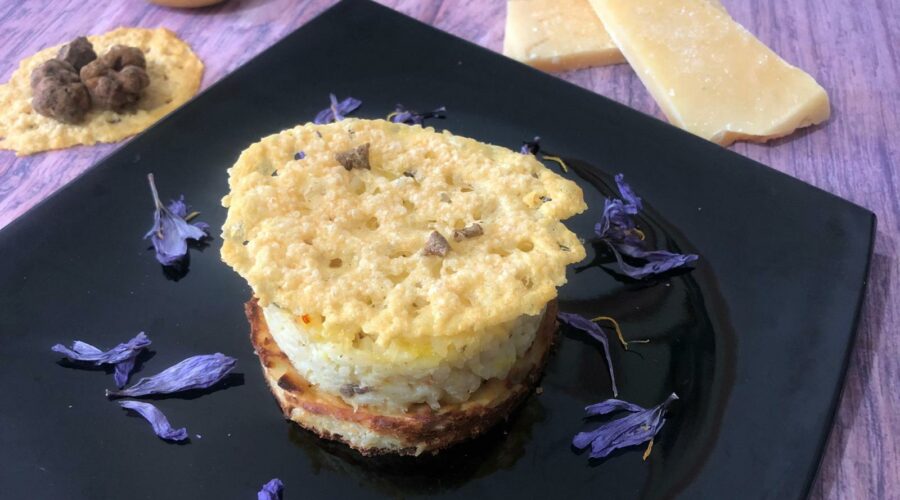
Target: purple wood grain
(852,48)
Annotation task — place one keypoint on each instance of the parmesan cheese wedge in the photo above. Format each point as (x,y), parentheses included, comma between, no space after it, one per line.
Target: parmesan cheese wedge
(709,75)
(557,35)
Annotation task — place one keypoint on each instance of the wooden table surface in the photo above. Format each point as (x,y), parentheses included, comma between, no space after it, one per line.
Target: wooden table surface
(852,48)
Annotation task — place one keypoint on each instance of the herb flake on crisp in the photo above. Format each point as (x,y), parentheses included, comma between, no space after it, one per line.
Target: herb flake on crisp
(157,419)
(171,232)
(639,426)
(357,157)
(436,245)
(197,372)
(337,110)
(471,231)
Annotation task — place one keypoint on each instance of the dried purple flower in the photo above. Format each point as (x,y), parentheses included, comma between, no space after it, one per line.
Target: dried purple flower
(337,110)
(160,423)
(121,356)
(532,147)
(631,199)
(403,115)
(197,372)
(271,490)
(619,232)
(657,261)
(123,370)
(299,155)
(594,330)
(639,426)
(170,230)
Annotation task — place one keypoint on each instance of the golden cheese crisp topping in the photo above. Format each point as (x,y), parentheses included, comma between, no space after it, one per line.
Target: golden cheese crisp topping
(174,70)
(344,249)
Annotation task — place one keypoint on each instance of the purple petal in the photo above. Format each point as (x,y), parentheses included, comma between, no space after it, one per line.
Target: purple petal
(618,230)
(635,428)
(531,147)
(178,207)
(160,423)
(609,406)
(271,490)
(123,371)
(594,330)
(337,110)
(82,351)
(170,231)
(622,433)
(658,261)
(631,199)
(197,372)
(403,115)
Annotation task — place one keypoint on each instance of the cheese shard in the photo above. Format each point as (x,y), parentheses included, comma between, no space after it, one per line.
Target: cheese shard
(709,75)
(557,35)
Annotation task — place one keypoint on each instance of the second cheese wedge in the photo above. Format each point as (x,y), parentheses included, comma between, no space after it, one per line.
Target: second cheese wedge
(557,35)
(709,75)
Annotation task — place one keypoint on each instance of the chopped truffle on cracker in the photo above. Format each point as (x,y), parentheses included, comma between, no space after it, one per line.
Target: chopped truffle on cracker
(174,73)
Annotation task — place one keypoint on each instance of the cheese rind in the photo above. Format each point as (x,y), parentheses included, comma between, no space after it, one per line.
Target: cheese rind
(709,75)
(557,35)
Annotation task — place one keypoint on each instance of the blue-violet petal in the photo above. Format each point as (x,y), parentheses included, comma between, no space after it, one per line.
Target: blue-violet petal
(170,232)
(618,230)
(638,426)
(122,356)
(594,330)
(197,372)
(160,423)
(336,111)
(271,490)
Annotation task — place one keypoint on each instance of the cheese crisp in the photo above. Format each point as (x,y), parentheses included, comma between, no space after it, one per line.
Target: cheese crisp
(174,70)
(343,249)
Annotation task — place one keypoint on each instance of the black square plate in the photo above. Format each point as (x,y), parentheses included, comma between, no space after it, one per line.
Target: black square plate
(754,340)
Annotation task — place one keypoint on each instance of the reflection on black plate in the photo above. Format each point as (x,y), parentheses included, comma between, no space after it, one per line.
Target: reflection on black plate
(754,339)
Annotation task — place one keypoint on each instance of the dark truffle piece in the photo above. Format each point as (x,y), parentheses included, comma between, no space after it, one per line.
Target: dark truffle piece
(66,102)
(58,93)
(78,53)
(469,231)
(357,157)
(54,69)
(436,245)
(120,56)
(116,79)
